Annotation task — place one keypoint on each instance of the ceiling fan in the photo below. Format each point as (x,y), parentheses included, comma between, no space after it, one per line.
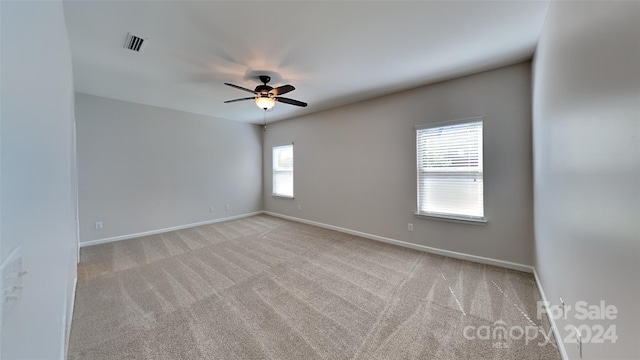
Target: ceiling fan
(266,96)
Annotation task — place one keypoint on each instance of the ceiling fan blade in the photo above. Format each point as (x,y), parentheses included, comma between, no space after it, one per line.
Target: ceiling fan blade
(280,90)
(291,101)
(241,88)
(243,99)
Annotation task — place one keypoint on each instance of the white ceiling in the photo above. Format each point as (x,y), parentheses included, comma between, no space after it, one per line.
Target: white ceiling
(334,53)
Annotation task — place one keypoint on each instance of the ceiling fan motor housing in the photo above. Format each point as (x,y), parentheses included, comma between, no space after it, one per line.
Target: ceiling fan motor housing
(263,89)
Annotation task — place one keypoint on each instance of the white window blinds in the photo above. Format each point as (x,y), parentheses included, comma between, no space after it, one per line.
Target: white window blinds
(283,170)
(450,169)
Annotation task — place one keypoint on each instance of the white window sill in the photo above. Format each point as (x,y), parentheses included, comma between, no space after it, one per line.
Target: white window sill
(282,196)
(453,218)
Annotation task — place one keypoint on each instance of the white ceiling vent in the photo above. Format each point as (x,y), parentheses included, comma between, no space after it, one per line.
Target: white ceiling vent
(134,43)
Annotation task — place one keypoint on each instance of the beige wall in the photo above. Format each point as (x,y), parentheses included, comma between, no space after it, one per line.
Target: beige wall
(38,176)
(355,166)
(587,165)
(144,168)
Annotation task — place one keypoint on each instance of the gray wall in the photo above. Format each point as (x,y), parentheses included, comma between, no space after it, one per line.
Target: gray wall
(144,168)
(38,171)
(355,166)
(587,165)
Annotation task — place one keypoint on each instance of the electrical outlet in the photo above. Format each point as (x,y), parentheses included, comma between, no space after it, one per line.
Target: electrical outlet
(210,208)
(98,225)
(226,207)
(299,207)
(410,227)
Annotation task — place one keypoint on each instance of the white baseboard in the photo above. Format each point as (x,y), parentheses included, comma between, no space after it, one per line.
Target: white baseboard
(69,318)
(554,327)
(452,254)
(159,231)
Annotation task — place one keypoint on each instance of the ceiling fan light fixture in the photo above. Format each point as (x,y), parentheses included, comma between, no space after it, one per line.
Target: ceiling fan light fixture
(265,103)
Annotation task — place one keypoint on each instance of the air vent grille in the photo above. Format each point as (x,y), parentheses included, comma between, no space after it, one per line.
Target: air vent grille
(134,43)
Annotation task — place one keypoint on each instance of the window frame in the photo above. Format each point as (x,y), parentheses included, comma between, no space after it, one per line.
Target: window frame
(274,172)
(461,218)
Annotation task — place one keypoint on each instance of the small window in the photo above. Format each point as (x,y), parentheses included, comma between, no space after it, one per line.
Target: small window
(450,179)
(283,170)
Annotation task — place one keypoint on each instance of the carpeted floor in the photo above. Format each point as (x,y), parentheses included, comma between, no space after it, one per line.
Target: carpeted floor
(267,288)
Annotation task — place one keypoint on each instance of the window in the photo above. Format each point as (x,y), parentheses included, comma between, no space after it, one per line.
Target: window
(283,170)
(449,163)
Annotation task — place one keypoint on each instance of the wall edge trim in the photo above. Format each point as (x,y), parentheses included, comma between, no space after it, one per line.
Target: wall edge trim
(69,319)
(164,230)
(554,327)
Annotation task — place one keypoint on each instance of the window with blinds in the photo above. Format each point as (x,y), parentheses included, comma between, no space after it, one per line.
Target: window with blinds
(450,183)
(283,170)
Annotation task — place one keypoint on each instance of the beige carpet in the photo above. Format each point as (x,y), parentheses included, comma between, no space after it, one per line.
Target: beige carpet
(266,288)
